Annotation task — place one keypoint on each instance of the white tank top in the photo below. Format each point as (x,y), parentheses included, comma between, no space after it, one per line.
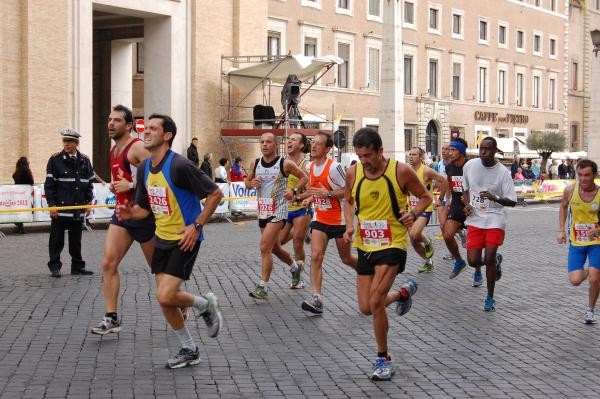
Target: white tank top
(271,199)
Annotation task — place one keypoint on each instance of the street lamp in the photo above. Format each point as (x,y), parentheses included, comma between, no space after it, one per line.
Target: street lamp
(596,40)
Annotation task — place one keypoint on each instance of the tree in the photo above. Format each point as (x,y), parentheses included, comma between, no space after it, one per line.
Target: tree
(545,143)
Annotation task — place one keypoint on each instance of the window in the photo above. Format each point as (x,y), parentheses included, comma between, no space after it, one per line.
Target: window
(536,3)
(520,40)
(536,92)
(551,93)
(574,135)
(457,24)
(312,3)
(574,75)
(433,19)
(344,7)
(456,67)
(597,4)
(408,74)
(482,84)
(374,62)
(140,57)
(483,33)
(501,86)
(375,8)
(433,83)
(553,5)
(502,35)
(552,50)
(519,89)
(409,13)
(345,4)
(273,43)
(310,46)
(343,75)
(537,44)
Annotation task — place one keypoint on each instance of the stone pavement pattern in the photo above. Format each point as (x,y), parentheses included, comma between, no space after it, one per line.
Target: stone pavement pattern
(534,346)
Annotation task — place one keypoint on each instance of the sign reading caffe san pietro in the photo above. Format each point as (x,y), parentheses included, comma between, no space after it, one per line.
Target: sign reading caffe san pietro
(514,119)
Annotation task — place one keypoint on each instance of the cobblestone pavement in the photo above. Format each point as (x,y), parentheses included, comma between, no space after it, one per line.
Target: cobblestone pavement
(535,345)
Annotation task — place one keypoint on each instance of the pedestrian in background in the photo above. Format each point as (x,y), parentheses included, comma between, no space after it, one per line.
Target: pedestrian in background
(206,168)
(237,170)
(22,175)
(192,152)
(68,183)
(221,172)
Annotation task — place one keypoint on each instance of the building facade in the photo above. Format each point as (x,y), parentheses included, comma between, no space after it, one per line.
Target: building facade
(467,69)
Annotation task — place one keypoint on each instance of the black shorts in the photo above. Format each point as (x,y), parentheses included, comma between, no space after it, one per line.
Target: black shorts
(174,261)
(141,230)
(262,223)
(457,213)
(391,257)
(331,230)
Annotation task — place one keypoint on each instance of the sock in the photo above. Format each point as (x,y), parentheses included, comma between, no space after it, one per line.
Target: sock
(200,303)
(318,296)
(293,266)
(429,261)
(185,338)
(263,284)
(112,315)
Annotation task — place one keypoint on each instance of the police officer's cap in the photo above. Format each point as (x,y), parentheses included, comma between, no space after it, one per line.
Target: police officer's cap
(68,133)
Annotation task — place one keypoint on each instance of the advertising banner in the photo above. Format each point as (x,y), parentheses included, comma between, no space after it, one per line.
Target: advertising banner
(16,196)
(39,201)
(238,189)
(102,196)
(223,205)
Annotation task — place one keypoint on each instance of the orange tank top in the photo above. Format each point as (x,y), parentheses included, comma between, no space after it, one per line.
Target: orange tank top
(328,209)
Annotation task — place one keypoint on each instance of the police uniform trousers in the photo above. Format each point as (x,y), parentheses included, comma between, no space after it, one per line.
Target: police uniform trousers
(56,243)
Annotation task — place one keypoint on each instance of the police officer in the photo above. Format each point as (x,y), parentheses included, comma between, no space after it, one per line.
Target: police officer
(68,182)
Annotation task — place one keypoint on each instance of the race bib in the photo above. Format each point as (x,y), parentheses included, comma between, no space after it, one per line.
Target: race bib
(266,208)
(456,183)
(582,232)
(413,201)
(322,203)
(375,233)
(479,202)
(159,200)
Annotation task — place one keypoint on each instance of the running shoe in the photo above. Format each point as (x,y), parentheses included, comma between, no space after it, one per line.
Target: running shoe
(313,305)
(106,326)
(459,266)
(448,257)
(439,237)
(297,276)
(477,279)
(427,267)
(489,305)
(185,357)
(408,289)
(429,248)
(259,292)
(462,235)
(212,316)
(382,369)
(590,316)
(498,268)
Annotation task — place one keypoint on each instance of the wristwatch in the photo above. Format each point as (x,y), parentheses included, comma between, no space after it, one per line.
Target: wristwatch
(329,194)
(497,198)
(198,227)
(295,191)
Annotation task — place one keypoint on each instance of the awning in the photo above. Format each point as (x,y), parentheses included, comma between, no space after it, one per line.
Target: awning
(277,71)
(569,155)
(509,145)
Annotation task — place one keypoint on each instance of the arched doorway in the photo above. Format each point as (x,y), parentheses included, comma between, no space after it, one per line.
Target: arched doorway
(431,138)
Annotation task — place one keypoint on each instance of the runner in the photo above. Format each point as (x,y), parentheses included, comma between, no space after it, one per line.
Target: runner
(269,177)
(170,187)
(581,202)
(456,209)
(376,188)
(299,216)
(441,209)
(488,188)
(327,182)
(423,245)
(125,156)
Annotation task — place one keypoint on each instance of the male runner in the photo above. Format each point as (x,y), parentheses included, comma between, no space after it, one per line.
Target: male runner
(125,156)
(299,216)
(581,202)
(327,182)
(269,177)
(376,188)
(170,186)
(442,211)
(423,245)
(488,188)
(456,209)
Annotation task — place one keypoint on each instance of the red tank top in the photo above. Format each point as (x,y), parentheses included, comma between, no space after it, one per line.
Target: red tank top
(328,209)
(122,163)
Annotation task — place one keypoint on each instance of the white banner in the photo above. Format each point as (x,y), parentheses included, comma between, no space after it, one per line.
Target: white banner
(238,189)
(16,197)
(102,196)
(223,205)
(39,201)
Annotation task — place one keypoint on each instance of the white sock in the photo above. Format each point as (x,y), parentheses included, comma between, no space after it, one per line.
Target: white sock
(263,284)
(185,338)
(200,303)
(293,266)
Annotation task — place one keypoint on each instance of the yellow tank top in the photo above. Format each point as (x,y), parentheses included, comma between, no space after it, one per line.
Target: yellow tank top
(377,227)
(583,218)
(413,200)
(291,183)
